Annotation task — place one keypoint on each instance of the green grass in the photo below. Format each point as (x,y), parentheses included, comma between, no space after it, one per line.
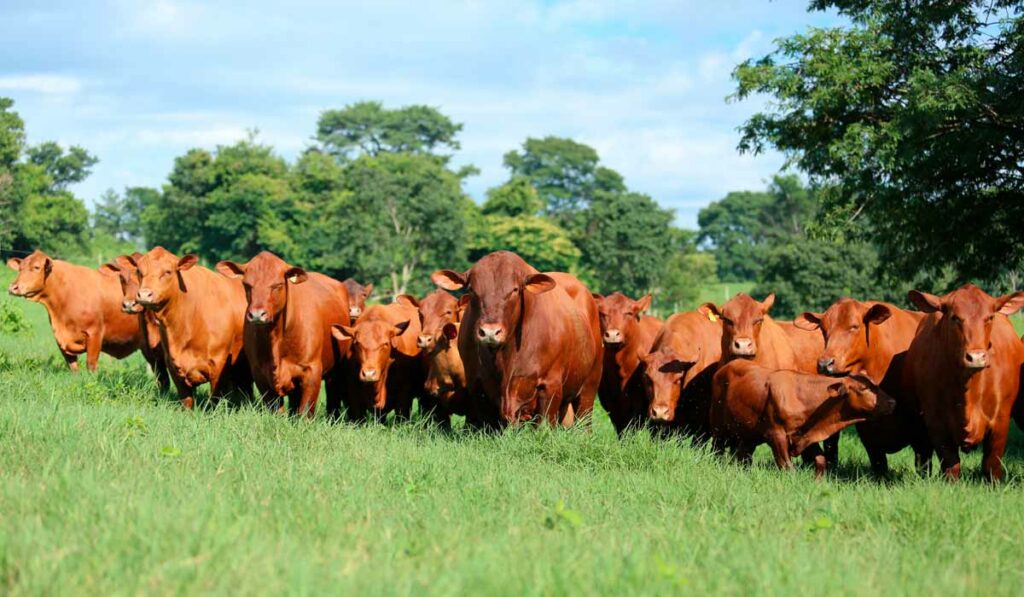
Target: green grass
(108,488)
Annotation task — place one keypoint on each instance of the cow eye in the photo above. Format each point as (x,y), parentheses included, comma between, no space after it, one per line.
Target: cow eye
(854,327)
(955,319)
(759,321)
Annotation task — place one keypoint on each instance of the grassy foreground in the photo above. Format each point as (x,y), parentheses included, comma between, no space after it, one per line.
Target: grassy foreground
(107,487)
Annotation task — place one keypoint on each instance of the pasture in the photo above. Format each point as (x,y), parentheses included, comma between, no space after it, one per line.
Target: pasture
(108,487)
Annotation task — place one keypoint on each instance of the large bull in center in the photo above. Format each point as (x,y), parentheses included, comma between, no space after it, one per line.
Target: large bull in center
(530,341)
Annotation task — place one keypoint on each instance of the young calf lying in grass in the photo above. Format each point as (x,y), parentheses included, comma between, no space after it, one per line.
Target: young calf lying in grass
(788,410)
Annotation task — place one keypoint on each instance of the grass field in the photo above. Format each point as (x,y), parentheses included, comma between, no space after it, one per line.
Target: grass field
(108,488)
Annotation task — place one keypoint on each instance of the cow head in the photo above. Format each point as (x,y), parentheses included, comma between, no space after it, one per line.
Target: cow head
(124,268)
(741,320)
(159,273)
(32,274)
(965,325)
(620,316)
(498,285)
(357,295)
(437,310)
(663,375)
(265,278)
(846,326)
(373,346)
(846,401)
(444,362)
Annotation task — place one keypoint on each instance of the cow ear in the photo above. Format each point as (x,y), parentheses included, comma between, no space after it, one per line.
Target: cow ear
(368,289)
(837,390)
(675,366)
(538,283)
(230,269)
(808,321)
(128,261)
(14,263)
(186,262)
(877,314)
(110,269)
(643,303)
(927,303)
(296,275)
(768,301)
(449,280)
(401,327)
(450,331)
(408,300)
(597,297)
(342,332)
(48,266)
(1010,304)
(709,310)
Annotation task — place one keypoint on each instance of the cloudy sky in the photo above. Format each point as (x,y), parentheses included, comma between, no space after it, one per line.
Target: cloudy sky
(138,83)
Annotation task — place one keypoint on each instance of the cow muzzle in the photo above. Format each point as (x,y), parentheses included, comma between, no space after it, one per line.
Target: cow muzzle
(257,316)
(976,359)
(491,334)
(661,414)
(744,347)
(354,312)
(826,366)
(612,336)
(130,306)
(144,296)
(14,290)
(425,341)
(369,375)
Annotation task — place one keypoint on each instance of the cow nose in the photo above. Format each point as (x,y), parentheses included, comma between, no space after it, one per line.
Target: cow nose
(257,315)
(491,334)
(612,336)
(826,365)
(128,305)
(661,413)
(424,341)
(13,289)
(144,295)
(976,359)
(368,374)
(743,347)
(355,312)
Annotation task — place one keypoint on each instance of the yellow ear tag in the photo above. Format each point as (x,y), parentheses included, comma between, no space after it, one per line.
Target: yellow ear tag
(294,279)
(711,317)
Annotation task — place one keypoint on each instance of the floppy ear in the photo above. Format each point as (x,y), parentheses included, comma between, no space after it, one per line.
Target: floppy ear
(877,314)
(597,297)
(48,266)
(128,261)
(343,332)
(14,263)
(450,331)
(449,280)
(135,256)
(186,262)
(407,300)
(230,269)
(708,310)
(675,366)
(296,275)
(1010,304)
(927,303)
(538,283)
(401,327)
(837,390)
(808,321)
(368,289)
(643,303)
(768,301)
(109,269)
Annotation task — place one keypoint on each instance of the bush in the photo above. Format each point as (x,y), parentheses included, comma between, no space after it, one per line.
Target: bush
(12,319)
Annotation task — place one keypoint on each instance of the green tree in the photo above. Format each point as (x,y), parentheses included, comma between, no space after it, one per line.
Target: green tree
(367,128)
(566,174)
(63,168)
(109,214)
(542,243)
(911,112)
(686,271)
(57,222)
(517,197)
(12,134)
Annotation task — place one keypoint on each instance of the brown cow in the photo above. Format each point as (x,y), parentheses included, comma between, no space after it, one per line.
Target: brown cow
(151,349)
(385,372)
(288,323)
(201,316)
(357,295)
(445,383)
(628,335)
(963,371)
(83,305)
(788,410)
(530,342)
(678,371)
(872,339)
(807,346)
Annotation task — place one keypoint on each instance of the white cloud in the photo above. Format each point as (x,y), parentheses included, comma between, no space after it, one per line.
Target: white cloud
(46,84)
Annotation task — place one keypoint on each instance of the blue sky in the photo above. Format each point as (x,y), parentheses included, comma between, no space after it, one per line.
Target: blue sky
(138,83)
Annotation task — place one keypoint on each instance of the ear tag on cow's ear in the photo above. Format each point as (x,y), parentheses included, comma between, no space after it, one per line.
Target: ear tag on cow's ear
(712,317)
(294,279)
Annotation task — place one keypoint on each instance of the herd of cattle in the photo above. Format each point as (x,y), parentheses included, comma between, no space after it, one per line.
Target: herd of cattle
(519,345)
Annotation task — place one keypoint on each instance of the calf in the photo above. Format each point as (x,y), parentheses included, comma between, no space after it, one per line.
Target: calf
(384,372)
(83,305)
(201,316)
(530,342)
(357,295)
(151,349)
(963,371)
(678,370)
(288,323)
(788,410)
(627,335)
(872,339)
